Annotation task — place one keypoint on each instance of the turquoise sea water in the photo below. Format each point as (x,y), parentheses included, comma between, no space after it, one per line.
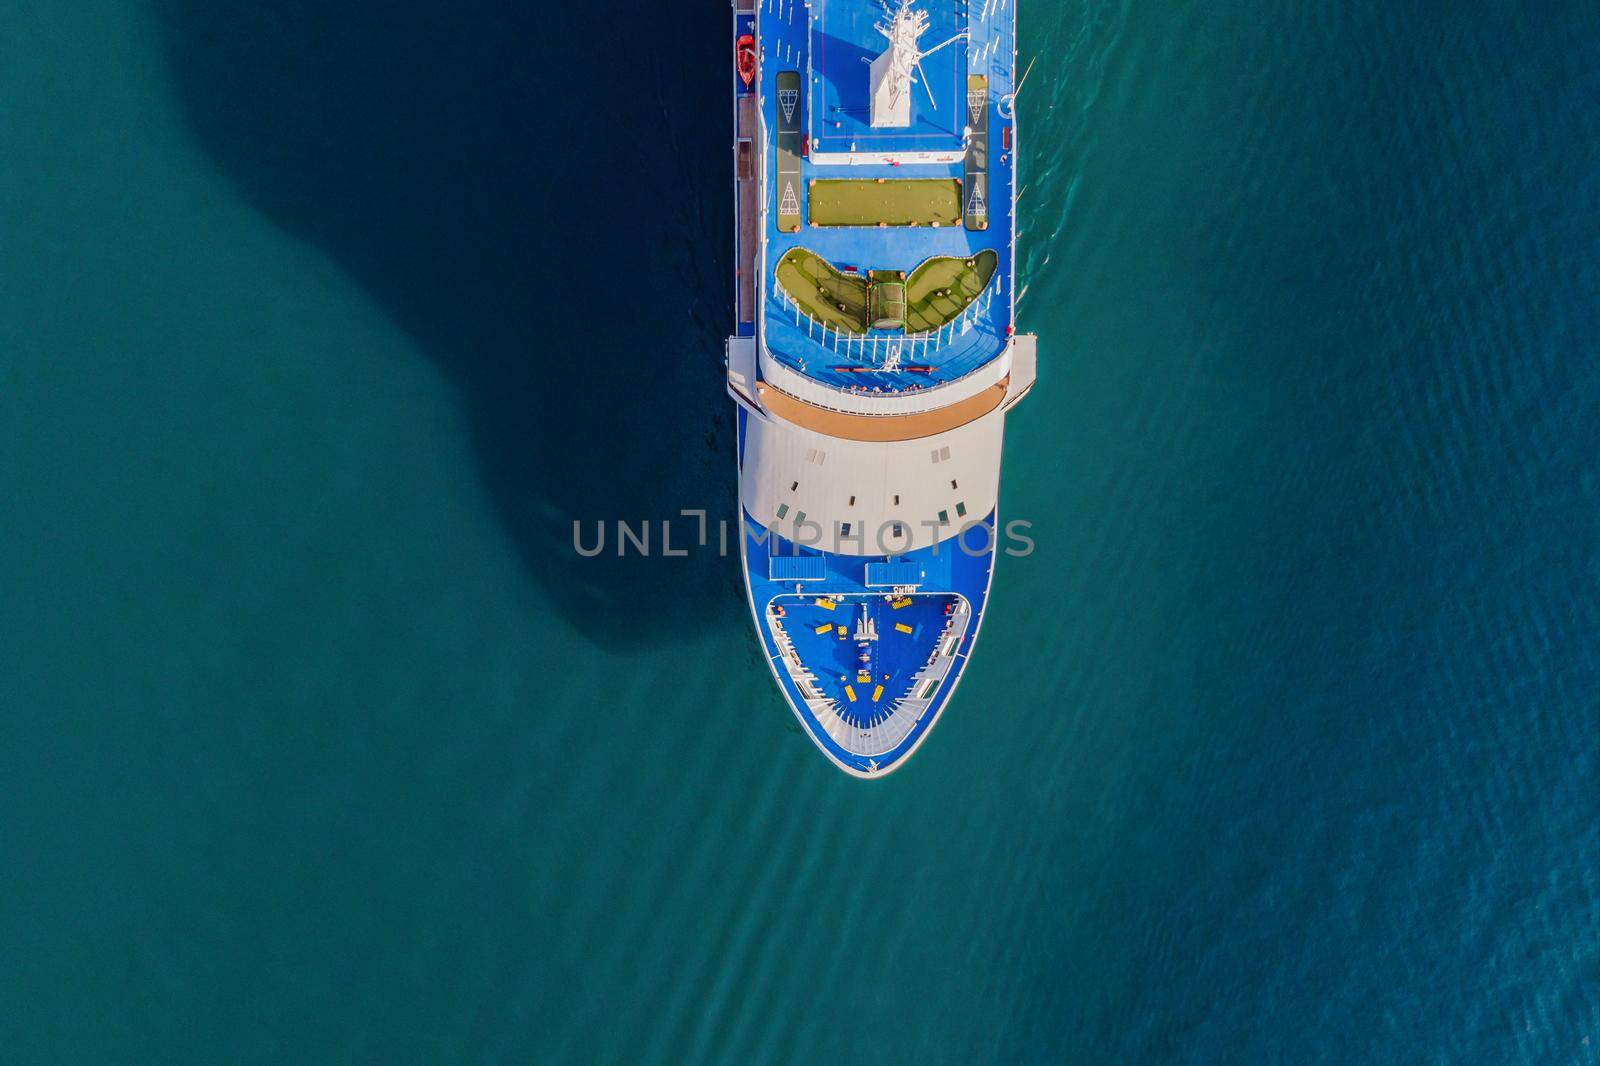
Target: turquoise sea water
(318,744)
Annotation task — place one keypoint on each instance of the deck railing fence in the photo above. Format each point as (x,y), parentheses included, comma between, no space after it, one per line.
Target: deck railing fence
(879,349)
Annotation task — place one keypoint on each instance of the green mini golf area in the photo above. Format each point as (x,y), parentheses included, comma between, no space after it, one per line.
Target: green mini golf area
(943,287)
(831,297)
(887,296)
(889,202)
(935,292)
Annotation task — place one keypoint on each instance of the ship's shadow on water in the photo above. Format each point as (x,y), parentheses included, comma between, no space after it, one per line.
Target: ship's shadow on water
(539,195)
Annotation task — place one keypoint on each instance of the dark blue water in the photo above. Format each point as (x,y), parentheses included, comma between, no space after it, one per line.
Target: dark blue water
(320,323)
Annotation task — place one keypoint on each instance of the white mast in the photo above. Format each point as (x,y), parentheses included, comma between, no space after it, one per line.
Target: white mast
(892,72)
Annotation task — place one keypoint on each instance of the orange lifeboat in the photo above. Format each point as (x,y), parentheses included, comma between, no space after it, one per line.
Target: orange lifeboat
(745,56)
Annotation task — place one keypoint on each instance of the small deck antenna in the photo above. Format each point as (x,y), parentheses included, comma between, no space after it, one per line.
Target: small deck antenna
(1009,100)
(1025,74)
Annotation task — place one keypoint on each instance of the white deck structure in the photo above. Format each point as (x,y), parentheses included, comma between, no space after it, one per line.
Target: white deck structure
(925,489)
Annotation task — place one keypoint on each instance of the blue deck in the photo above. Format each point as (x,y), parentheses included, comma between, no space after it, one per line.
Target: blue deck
(828,48)
(843,41)
(893,658)
(948,572)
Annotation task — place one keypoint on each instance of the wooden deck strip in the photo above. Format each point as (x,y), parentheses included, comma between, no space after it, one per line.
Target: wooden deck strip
(883,428)
(747,117)
(748,245)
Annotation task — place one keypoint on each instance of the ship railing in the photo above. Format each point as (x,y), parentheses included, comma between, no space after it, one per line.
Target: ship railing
(891,349)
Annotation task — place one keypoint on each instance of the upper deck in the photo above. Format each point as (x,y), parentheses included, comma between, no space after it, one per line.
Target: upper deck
(850,309)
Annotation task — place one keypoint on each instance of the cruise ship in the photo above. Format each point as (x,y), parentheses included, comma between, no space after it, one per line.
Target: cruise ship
(874,357)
